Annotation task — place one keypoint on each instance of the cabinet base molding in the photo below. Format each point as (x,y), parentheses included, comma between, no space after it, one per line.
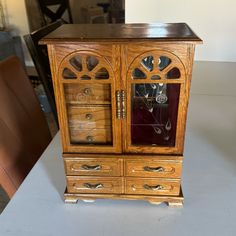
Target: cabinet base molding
(172,201)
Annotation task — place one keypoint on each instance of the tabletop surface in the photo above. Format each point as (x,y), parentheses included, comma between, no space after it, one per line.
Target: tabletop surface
(122,32)
(209,180)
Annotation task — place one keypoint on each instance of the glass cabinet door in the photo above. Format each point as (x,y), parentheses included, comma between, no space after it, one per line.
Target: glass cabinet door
(88,85)
(154,89)
(89,113)
(154,111)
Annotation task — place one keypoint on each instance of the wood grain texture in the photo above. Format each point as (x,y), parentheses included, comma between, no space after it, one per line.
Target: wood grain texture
(172,201)
(86,184)
(79,93)
(90,136)
(153,167)
(122,32)
(137,157)
(89,117)
(100,159)
(133,58)
(70,91)
(94,166)
(152,186)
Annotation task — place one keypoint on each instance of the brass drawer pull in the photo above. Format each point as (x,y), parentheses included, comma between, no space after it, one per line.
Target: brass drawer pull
(153,188)
(90,139)
(154,169)
(88,167)
(89,116)
(87,91)
(93,186)
(123,112)
(118,111)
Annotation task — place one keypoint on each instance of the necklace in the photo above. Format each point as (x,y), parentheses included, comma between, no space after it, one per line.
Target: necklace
(160,96)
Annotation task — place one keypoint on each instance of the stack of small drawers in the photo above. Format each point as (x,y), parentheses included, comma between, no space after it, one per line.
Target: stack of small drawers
(89,113)
(125,175)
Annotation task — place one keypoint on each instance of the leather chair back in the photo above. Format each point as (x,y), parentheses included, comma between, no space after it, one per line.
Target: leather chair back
(24,133)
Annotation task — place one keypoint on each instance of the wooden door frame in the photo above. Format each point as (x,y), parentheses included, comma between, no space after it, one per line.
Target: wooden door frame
(57,56)
(186,57)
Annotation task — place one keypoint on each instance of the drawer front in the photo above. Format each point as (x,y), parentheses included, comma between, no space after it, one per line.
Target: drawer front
(149,167)
(90,135)
(94,184)
(89,117)
(87,93)
(152,186)
(95,167)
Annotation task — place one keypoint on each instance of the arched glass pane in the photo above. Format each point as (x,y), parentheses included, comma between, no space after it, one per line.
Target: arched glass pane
(174,73)
(68,74)
(102,74)
(138,74)
(155,77)
(147,62)
(91,62)
(163,62)
(76,62)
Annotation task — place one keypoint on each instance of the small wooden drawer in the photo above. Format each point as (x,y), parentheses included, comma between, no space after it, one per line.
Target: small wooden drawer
(94,184)
(94,166)
(90,136)
(152,186)
(153,167)
(87,93)
(89,117)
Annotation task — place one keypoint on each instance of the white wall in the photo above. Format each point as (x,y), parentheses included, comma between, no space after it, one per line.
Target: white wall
(16,20)
(212,20)
(77,5)
(15,14)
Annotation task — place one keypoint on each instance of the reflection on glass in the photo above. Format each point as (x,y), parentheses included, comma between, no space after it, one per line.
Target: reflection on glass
(76,62)
(147,62)
(155,77)
(91,62)
(68,74)
(163,62)
(138,74)
(154,114)
(102,74)
(174,73)
(89,113)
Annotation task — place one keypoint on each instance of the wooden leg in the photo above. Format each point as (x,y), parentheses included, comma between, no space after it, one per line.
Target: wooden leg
(155,203)
(170,204)
(175,203)
(88,200)
(71,200)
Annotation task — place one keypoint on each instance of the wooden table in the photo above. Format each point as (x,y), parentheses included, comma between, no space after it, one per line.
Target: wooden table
(209,185)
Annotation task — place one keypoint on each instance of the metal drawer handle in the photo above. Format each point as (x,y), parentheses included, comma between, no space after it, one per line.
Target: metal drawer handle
(153,188)
(93,186)
(89,138)
(89,116)
(154,169)
(87,91)
(88,167)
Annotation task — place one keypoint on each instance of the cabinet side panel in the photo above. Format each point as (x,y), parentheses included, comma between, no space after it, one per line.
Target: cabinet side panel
(54,67)
(185,99)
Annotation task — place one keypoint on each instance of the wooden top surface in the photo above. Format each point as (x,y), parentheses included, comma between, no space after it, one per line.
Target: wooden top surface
(121,32)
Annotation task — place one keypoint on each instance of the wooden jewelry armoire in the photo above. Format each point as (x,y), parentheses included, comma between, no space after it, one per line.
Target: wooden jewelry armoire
(122,94)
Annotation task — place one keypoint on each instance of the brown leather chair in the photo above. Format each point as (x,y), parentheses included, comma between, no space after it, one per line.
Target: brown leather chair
(24,132)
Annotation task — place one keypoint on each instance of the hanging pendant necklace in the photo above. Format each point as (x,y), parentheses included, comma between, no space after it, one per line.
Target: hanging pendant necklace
(160,96)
